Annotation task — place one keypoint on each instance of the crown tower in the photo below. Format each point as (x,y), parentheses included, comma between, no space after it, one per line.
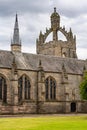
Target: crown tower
(57,47)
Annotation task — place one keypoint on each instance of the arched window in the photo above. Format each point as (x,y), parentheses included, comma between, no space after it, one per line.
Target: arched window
(50,85)
(3,89)
(24,88)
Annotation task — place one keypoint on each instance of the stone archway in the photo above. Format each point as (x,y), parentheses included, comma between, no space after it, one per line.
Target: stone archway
(73,107)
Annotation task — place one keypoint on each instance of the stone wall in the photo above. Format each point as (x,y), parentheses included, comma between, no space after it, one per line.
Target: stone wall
(67,91)
(25,108)
(51,107)
(83,107)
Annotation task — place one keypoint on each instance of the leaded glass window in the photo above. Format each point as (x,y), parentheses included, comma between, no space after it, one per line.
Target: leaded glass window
(50,85)
(3,89)
(24,88)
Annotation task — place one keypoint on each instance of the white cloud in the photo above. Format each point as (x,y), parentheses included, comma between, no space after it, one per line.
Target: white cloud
(35,16)
(82,53)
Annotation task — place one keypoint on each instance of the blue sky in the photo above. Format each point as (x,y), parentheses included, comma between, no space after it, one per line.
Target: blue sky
(34,15)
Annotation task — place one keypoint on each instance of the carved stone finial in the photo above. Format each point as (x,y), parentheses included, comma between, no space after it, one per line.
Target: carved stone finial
(70,30)
(54,9)
(46,29)
(40,66)
(64,28)
(64,72)
(74,37)
(40,32)
(14,66)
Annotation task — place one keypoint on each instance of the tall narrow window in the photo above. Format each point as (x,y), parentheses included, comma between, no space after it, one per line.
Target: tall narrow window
(50,85)
(27,88)
(3,89)
(24,88)
(20,85)
(47,87)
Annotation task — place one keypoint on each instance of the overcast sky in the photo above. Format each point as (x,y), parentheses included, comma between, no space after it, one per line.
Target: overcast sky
(34,15)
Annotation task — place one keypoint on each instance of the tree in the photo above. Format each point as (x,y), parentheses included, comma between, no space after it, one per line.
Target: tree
(83,87)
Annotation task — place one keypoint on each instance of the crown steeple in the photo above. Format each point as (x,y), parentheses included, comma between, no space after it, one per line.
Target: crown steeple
(16,43)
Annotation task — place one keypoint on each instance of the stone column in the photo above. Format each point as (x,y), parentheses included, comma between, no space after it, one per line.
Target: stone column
(41,83)
(14,82)
(64,84)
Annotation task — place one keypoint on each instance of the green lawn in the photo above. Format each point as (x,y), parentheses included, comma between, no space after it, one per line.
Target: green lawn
(44,123)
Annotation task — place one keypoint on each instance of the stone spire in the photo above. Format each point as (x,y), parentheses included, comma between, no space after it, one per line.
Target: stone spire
(16,39)
(16,43)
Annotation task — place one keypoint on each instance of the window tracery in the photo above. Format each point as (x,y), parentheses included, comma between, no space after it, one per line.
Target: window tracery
(50,85)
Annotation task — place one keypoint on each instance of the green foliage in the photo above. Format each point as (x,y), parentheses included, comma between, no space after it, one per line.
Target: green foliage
(83,87)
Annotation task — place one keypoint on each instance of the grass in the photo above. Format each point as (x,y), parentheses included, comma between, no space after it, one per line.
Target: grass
(44,123)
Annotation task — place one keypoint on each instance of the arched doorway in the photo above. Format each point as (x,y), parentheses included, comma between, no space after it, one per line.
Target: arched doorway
(73,107)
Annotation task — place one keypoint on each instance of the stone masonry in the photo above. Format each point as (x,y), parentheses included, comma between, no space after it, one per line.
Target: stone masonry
(46,82)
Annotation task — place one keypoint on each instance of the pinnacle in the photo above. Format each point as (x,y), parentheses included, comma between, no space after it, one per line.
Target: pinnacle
(54,9)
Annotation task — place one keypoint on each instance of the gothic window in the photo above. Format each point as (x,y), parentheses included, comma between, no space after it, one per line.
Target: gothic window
(50,85)
(3,89)
(20,84)
(47,85)
(24,88)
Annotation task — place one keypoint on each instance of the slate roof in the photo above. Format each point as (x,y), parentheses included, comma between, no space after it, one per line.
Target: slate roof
(27,61)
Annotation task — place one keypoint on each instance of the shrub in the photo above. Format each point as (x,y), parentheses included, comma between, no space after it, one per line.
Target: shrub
(83,87)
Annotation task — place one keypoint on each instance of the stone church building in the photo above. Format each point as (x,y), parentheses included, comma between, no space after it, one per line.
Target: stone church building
(46,82)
